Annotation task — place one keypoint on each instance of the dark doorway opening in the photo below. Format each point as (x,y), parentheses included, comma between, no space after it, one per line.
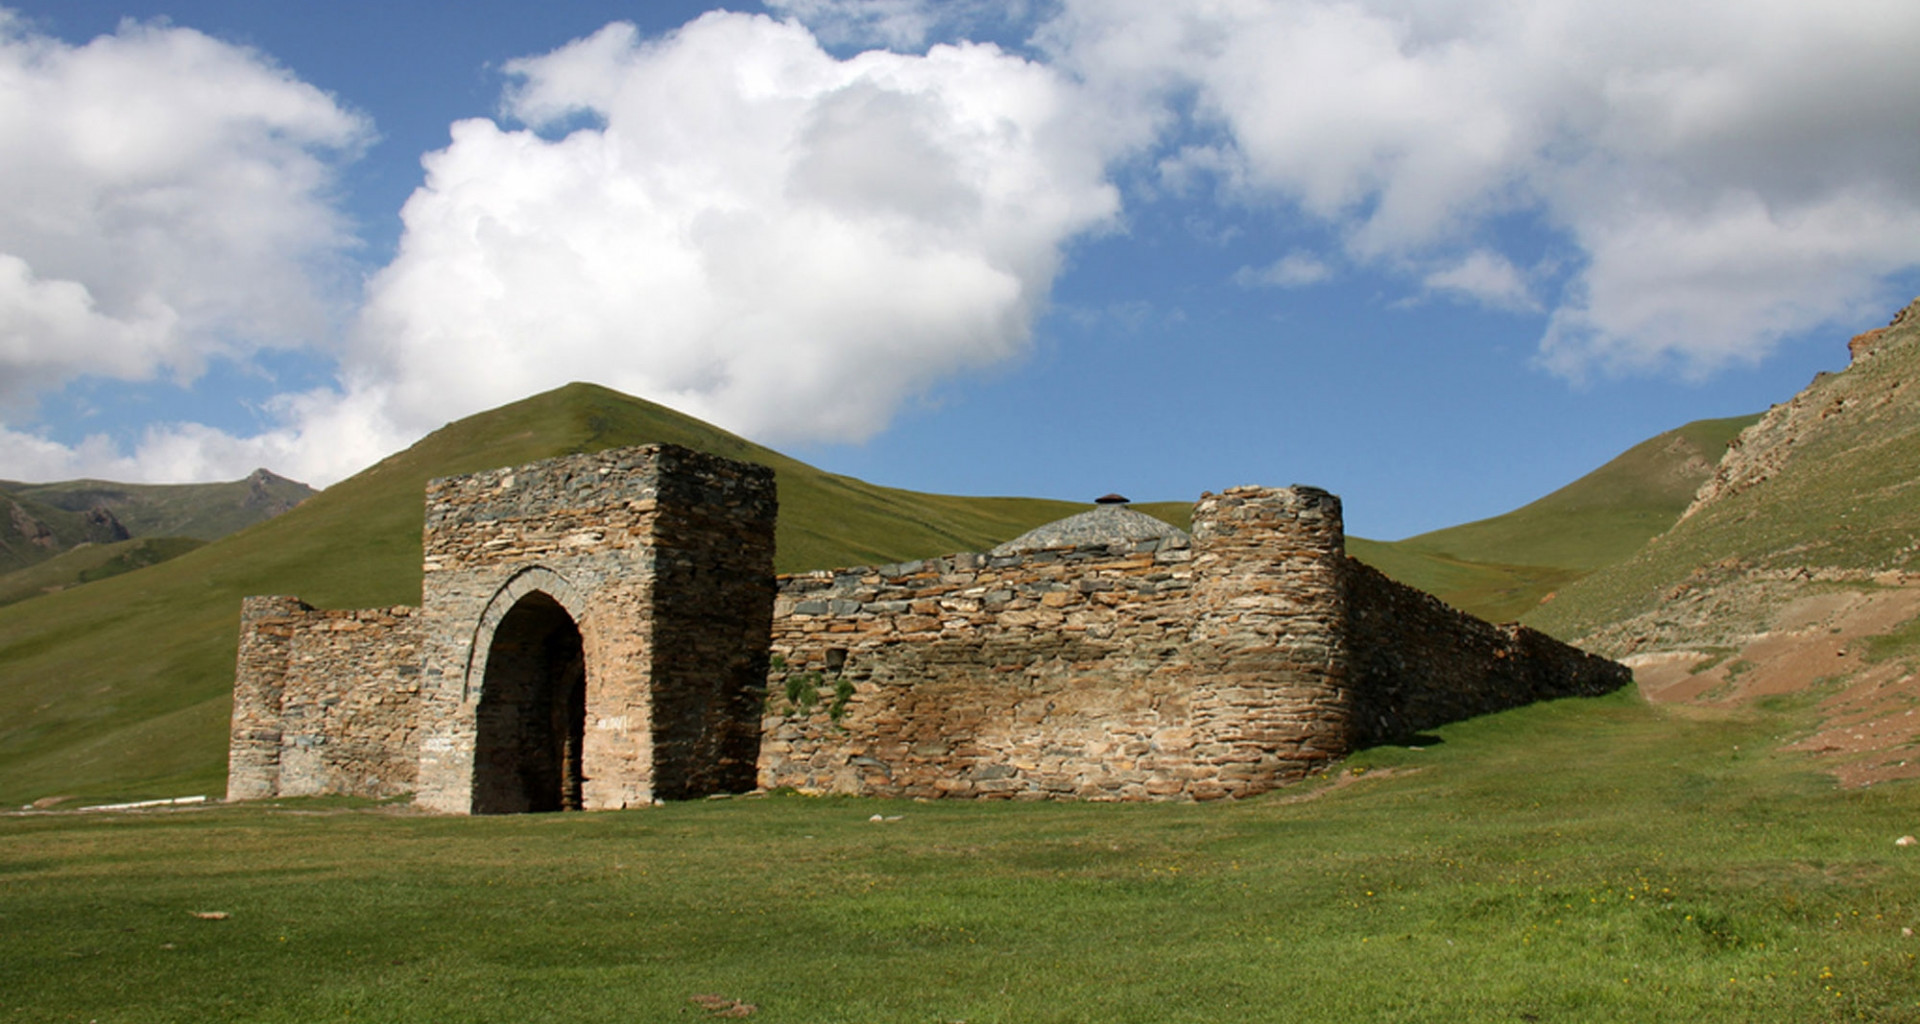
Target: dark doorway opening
(533,713)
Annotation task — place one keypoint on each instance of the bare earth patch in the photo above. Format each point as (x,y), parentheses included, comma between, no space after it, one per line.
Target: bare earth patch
(1870,732)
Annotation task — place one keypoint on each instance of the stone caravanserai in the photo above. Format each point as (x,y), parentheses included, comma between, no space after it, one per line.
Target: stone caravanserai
(606,630)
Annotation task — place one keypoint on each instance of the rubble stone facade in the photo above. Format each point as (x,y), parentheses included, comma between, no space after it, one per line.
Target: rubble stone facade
(1220,666)
(592,635)
(604,631)
(324,701)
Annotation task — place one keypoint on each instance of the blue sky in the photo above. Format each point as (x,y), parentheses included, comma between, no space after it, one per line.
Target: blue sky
(1439,263)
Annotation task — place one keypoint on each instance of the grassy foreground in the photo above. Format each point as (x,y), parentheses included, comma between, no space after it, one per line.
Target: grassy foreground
(1582,860)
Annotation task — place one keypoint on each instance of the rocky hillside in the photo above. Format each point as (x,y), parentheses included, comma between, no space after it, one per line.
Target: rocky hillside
(32,532)
(1866,408)
(40,521)
(200,511)
(1796,569)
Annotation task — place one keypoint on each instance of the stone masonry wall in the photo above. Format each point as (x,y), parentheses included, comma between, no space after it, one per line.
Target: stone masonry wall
(253,743)
(638,583)
(1056,674)
(712,601)
(578,529)
(325,701)
(1270,693)
(1162,670)
(1155,670)
(662,557)
(1418,663)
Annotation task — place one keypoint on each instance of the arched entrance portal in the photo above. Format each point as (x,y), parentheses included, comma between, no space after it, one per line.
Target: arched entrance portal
(532,714)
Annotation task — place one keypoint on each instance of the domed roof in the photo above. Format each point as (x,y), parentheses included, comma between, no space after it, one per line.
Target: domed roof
(1104,524)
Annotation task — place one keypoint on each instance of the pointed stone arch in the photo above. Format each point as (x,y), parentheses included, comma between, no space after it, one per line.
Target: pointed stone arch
(530,720)
(530,580)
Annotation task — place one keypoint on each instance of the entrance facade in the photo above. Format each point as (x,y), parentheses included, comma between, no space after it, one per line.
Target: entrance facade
(596,631)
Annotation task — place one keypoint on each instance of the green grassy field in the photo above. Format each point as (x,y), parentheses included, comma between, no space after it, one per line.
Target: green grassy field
(1582,860)
(90,563)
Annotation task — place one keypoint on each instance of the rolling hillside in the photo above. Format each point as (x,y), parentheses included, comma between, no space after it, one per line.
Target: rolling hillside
(200,511)
(1502,567)
(1824,486)
(41,521)
(1796,572)
(88,563)
(121,688)
(32,532)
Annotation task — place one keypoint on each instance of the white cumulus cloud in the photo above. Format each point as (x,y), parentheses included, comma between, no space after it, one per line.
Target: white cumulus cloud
(729,219)
(166,202)
(1296,269)
(897,24)
(1729,173)
(1485,277)
(749,229)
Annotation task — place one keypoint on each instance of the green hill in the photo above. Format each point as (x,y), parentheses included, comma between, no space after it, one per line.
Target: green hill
(1502,568)
(89,562)
(1826,486)
(40,522)
(121,688)
(32,531)
(1602,517)
(200,511)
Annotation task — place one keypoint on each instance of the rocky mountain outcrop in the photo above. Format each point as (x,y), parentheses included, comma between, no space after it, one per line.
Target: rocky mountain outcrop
(29,529)
(39,521)
(1763,450)
(102,523)
(32,532)
(1797,565)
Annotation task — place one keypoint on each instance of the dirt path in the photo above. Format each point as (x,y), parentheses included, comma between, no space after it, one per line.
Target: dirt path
(1870,733)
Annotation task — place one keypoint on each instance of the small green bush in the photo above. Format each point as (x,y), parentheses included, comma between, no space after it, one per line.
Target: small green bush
(842,693)
(803,691)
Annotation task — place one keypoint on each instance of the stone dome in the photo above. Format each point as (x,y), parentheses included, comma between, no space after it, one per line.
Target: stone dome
(1102,525)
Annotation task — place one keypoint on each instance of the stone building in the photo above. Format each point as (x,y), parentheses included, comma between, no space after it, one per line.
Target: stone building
(592,633)
(604,631)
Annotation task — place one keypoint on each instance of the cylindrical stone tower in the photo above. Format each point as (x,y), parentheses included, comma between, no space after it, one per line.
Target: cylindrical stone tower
(1271,703)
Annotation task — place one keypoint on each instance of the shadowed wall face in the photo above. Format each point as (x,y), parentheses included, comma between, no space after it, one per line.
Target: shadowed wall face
(532,713)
